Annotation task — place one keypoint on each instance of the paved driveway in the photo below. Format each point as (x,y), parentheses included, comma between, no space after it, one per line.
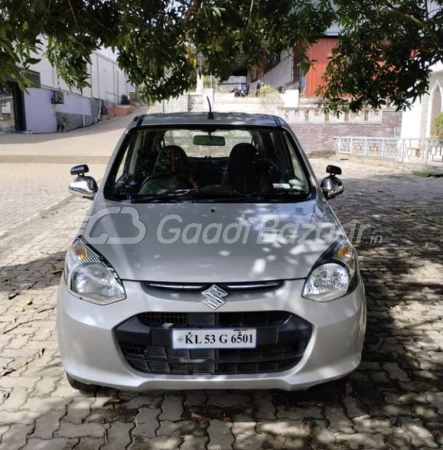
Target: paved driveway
(34,168)
(393,401)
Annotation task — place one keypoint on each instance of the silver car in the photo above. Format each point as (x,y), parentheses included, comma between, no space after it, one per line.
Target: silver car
(210,258)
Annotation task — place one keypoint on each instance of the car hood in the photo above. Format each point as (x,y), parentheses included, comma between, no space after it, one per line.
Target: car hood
(211,242)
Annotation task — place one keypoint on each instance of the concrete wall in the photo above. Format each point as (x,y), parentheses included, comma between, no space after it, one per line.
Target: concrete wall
(42,115)
(315,128)
(281,74)
(40,112)
(319,137)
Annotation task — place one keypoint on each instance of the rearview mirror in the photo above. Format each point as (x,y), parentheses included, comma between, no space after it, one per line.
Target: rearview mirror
(211,141)
(82,186)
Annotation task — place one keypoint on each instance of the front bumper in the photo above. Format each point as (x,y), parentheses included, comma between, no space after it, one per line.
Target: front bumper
(91,354)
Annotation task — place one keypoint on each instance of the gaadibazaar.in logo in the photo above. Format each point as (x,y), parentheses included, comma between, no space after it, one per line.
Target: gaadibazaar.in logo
(171,230)
(239,232)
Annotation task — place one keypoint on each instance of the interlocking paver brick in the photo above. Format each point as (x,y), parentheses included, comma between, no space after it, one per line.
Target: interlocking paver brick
(18,417)
(299,412)
(87,443)
(182,428)
(243,424)
(118,436)
(157,443)
(53,444)
(45,386)
(285,428)
(194,443)
(146,422)
(47,424)
(436,399)
(172,407)
(79,409)
(361,440)
(264,407)
(144,400)
(220,436)
(338,421)
(70,430)
(15,437)
(17,398)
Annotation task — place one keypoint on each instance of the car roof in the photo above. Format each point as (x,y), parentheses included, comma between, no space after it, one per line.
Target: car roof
(192,118)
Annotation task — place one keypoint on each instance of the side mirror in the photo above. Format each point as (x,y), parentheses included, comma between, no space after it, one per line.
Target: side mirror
(83,186)
(331,187)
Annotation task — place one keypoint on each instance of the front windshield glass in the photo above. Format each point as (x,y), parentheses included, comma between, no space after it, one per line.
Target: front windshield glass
(208,163)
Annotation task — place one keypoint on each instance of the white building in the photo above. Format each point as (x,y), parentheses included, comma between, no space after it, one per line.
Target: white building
(418,122)
(52,105)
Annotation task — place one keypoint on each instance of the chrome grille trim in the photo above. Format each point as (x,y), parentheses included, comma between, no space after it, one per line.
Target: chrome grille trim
(200,286)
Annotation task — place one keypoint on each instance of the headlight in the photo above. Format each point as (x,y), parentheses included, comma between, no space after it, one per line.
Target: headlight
(333,275)
(90,277)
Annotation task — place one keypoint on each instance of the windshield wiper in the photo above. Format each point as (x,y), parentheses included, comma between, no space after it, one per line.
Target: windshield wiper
(220,195)
(170,196)
(279,193)
(213,195)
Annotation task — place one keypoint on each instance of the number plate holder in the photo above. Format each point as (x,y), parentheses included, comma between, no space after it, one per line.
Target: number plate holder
(214,338)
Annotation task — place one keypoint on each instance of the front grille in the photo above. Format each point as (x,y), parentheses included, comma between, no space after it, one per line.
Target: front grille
(196,320)
(262,359)
(145,341)
(234,287)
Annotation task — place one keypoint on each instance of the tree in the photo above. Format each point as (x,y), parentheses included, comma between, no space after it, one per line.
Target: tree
(384,53)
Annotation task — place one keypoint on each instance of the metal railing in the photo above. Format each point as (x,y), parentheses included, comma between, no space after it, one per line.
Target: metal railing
(403,150)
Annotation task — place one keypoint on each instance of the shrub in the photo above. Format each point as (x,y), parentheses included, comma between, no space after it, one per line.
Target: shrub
(267,91)
(125,100)
(438,125)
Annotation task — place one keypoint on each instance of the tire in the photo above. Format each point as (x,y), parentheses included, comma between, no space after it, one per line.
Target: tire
(79,386)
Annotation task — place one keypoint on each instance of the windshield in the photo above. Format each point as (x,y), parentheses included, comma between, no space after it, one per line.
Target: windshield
(208,163)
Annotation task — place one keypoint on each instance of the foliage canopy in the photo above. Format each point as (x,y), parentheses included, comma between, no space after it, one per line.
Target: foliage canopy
(384,52)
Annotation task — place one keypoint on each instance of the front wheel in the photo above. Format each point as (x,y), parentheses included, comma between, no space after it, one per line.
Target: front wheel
(79,386)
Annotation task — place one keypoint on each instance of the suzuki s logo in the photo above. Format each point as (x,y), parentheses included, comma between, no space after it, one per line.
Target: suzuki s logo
(214,297)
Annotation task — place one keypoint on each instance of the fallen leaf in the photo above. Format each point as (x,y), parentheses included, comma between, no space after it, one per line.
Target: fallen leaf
(41,352)
(226,419)
(11,369)
(380,341)
(30,301)
(435,433)
(112,401)
(195,416)
(320,404)
(348,388)
(54,270)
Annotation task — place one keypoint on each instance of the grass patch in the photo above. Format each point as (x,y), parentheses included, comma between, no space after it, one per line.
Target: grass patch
(422,173)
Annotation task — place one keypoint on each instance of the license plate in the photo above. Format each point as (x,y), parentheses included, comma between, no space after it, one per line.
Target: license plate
(214,338)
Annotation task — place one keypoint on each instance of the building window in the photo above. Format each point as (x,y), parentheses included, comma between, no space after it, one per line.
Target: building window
(272,59)
(435,107)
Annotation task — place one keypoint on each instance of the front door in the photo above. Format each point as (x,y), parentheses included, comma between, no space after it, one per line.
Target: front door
(19,107)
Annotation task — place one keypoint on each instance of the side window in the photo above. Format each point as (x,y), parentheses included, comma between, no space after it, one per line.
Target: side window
(128,169)
(297,170)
